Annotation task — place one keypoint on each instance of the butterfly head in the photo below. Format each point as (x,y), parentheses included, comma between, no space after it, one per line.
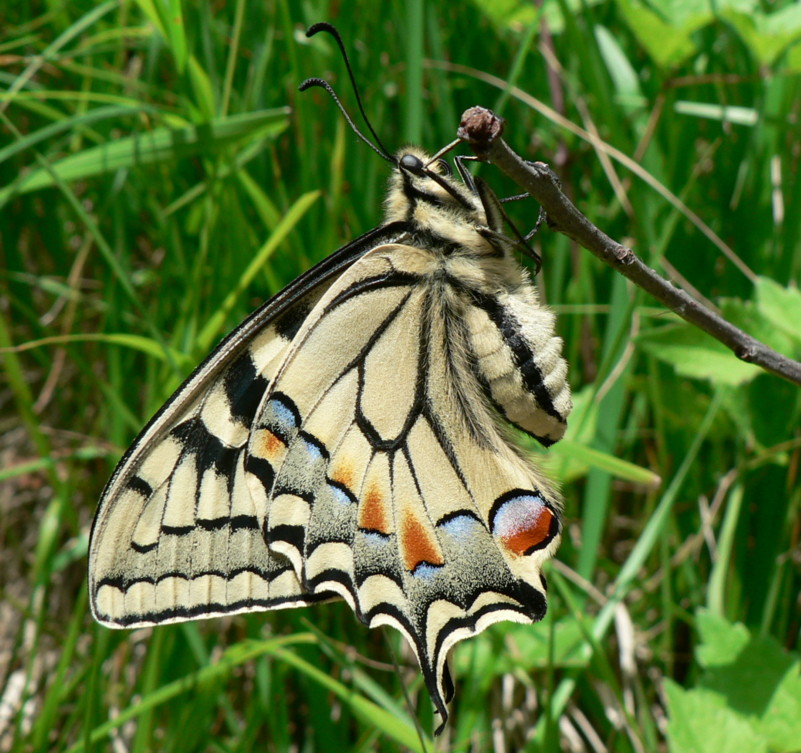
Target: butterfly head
(425,195)
(423,190)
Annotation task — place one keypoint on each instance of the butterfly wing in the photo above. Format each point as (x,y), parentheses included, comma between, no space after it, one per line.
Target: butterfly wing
(347,441)
(176,535)
(384,476)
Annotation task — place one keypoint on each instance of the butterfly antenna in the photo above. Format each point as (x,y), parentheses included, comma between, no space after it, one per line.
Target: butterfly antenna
(323,26)
(309,82)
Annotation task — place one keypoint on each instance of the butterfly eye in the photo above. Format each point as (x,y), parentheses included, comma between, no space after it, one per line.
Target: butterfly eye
(413,164)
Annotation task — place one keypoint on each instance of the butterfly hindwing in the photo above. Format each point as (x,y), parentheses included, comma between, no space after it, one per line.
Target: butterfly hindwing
(384,476)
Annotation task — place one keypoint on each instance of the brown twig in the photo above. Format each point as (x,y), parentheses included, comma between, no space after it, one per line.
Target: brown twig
(482,129)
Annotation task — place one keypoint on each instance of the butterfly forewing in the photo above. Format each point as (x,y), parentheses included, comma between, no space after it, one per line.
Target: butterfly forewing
(177,534)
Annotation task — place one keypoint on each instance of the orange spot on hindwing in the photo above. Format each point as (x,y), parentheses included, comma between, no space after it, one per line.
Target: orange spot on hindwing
(374,514)
(417,544)
(343,473)
(268,445)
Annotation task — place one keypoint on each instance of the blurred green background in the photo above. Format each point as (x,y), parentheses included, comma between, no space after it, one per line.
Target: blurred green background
(154,188)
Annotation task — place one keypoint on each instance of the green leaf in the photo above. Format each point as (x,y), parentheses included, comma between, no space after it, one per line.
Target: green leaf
(624,76)
(136,342)
(748,317)
(720,639)
(667,37)
(174,23)
(694,354)
(746,116)
(77,122)
(766,35)
(399,729)
(159,145)
(780,306)
(210,331)
(774,407)
(750,692)
(699,723)
(167,17)
(516,14)
(756,677)
(223,668)
(576,452)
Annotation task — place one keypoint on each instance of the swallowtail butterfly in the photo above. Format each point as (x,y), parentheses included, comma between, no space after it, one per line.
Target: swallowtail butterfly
(348,440)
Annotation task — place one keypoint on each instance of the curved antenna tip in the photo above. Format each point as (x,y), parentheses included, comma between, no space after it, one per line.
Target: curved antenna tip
(325,26)
(310,82)
(322,26)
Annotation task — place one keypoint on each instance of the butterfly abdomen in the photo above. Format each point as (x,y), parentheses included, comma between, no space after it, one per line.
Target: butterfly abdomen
(518,359)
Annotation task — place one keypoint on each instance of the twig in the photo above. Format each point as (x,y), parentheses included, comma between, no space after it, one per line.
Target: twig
(482,129)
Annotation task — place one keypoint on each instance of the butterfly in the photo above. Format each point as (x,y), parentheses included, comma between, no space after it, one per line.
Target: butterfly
(349,440)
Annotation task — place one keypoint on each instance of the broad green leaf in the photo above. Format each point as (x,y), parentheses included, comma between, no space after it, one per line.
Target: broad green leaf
(516,14)
(754,676)
(684,12)
(792,59)
(694,354)
(766,35)
(667,37)
(774,407)
(720,639)
(749,317)
(700,723)
(156,146)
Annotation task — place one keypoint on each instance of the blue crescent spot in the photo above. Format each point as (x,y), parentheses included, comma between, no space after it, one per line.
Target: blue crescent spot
(518,514)
(283,415)
(461,527)
(375,539)
(313,451)
(426,571)
(339,495)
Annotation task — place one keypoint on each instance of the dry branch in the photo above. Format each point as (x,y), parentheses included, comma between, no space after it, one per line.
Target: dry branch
(482,129)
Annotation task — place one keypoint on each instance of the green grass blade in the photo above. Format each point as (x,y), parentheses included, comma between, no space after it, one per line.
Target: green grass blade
(156,146)
(211,330)
(235,656)
(392,726)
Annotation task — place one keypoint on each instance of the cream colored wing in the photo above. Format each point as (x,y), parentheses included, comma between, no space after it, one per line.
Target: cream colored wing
(384,476)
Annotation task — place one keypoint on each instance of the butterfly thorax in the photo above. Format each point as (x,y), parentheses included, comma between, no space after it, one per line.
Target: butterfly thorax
(448,222)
